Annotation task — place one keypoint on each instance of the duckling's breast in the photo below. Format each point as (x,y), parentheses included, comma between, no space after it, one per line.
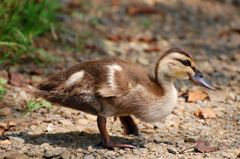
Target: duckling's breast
(155,108)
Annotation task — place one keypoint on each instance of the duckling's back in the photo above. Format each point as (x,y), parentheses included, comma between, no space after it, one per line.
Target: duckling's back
(86,85)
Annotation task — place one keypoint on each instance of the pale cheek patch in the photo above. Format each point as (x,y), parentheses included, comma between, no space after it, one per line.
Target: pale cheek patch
(112,69)
(75,77)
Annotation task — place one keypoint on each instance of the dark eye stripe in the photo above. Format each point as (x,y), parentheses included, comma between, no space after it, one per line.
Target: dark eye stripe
(184,62)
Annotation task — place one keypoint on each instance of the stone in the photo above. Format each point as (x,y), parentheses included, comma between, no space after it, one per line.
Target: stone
(231,96)
(159,126)
(143,150)
(192,139)
(238,98)
(16,156)
(16,139)
(51,152)
(79,154)
(228,126)
(23,94)
(33,153)
(227,154)
(180,142)
(158,139)
(5,111)
(4,125)
(109,153)
(148,125)
(89,157)
(136,152)
(82,122)
(65,122)
(65,155)
(23,134)
(143,61)
(90,117)
(5,142)
(36,78)
(129,156)
(171,151)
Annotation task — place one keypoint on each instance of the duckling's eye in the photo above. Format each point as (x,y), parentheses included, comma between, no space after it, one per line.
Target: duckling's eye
(186,63)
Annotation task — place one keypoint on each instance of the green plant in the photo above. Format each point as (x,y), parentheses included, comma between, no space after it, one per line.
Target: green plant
(2,59)
(2,91)
(21,22)
(145,22)
(35,104)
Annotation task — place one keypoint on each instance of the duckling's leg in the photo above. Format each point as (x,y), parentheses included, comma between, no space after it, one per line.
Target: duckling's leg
(129,125)
(105,137)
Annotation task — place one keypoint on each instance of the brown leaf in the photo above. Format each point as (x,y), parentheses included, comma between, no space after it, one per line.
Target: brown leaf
(114,37)
(74,3)
(147,39)
(143,8)
(15,79)
(154,48)
(205,113)
(1,131)
(131,39)
(36,72)
(203,147)
(196,95)
(11,124)
(206,147)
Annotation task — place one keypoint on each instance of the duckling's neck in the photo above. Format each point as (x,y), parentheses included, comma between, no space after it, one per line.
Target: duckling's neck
(164,81)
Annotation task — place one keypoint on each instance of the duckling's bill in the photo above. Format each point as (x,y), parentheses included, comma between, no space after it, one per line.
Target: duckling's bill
(199,79)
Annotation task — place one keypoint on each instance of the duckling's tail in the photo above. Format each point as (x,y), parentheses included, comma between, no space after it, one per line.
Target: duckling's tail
(35,91)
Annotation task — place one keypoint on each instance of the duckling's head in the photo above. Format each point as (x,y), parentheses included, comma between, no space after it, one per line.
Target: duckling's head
(178,64)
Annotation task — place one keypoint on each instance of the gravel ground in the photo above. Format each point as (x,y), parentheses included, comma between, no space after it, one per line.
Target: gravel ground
(209,30)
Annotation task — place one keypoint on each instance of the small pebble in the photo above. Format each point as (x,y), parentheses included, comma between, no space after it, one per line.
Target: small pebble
(159,126)
(109,153)
(50,152)
(5,142)
(82,122)
(192,139)
(65,121)
(89,157)
(65,155)
(143,61)
(16,139)
(171,151)
(5,111)
(231,96)
(4,125)
(16,156)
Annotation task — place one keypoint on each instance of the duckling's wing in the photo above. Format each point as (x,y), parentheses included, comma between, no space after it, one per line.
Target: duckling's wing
(120,78)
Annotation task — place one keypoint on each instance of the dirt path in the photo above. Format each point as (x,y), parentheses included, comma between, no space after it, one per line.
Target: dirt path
(209,30)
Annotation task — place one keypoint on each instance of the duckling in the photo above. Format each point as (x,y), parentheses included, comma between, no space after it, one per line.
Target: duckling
(115,87)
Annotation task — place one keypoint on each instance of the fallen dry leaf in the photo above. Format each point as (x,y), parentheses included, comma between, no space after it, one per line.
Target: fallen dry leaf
(196,95)
(205,113)
(206,147)
(15,79)
(114,37)
(154,48)
(143,8)
(147,39)
(203,147)
(1,131)
(36,72)
(11,124)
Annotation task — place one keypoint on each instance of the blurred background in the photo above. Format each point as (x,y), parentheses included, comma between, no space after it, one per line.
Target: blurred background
(41,37)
